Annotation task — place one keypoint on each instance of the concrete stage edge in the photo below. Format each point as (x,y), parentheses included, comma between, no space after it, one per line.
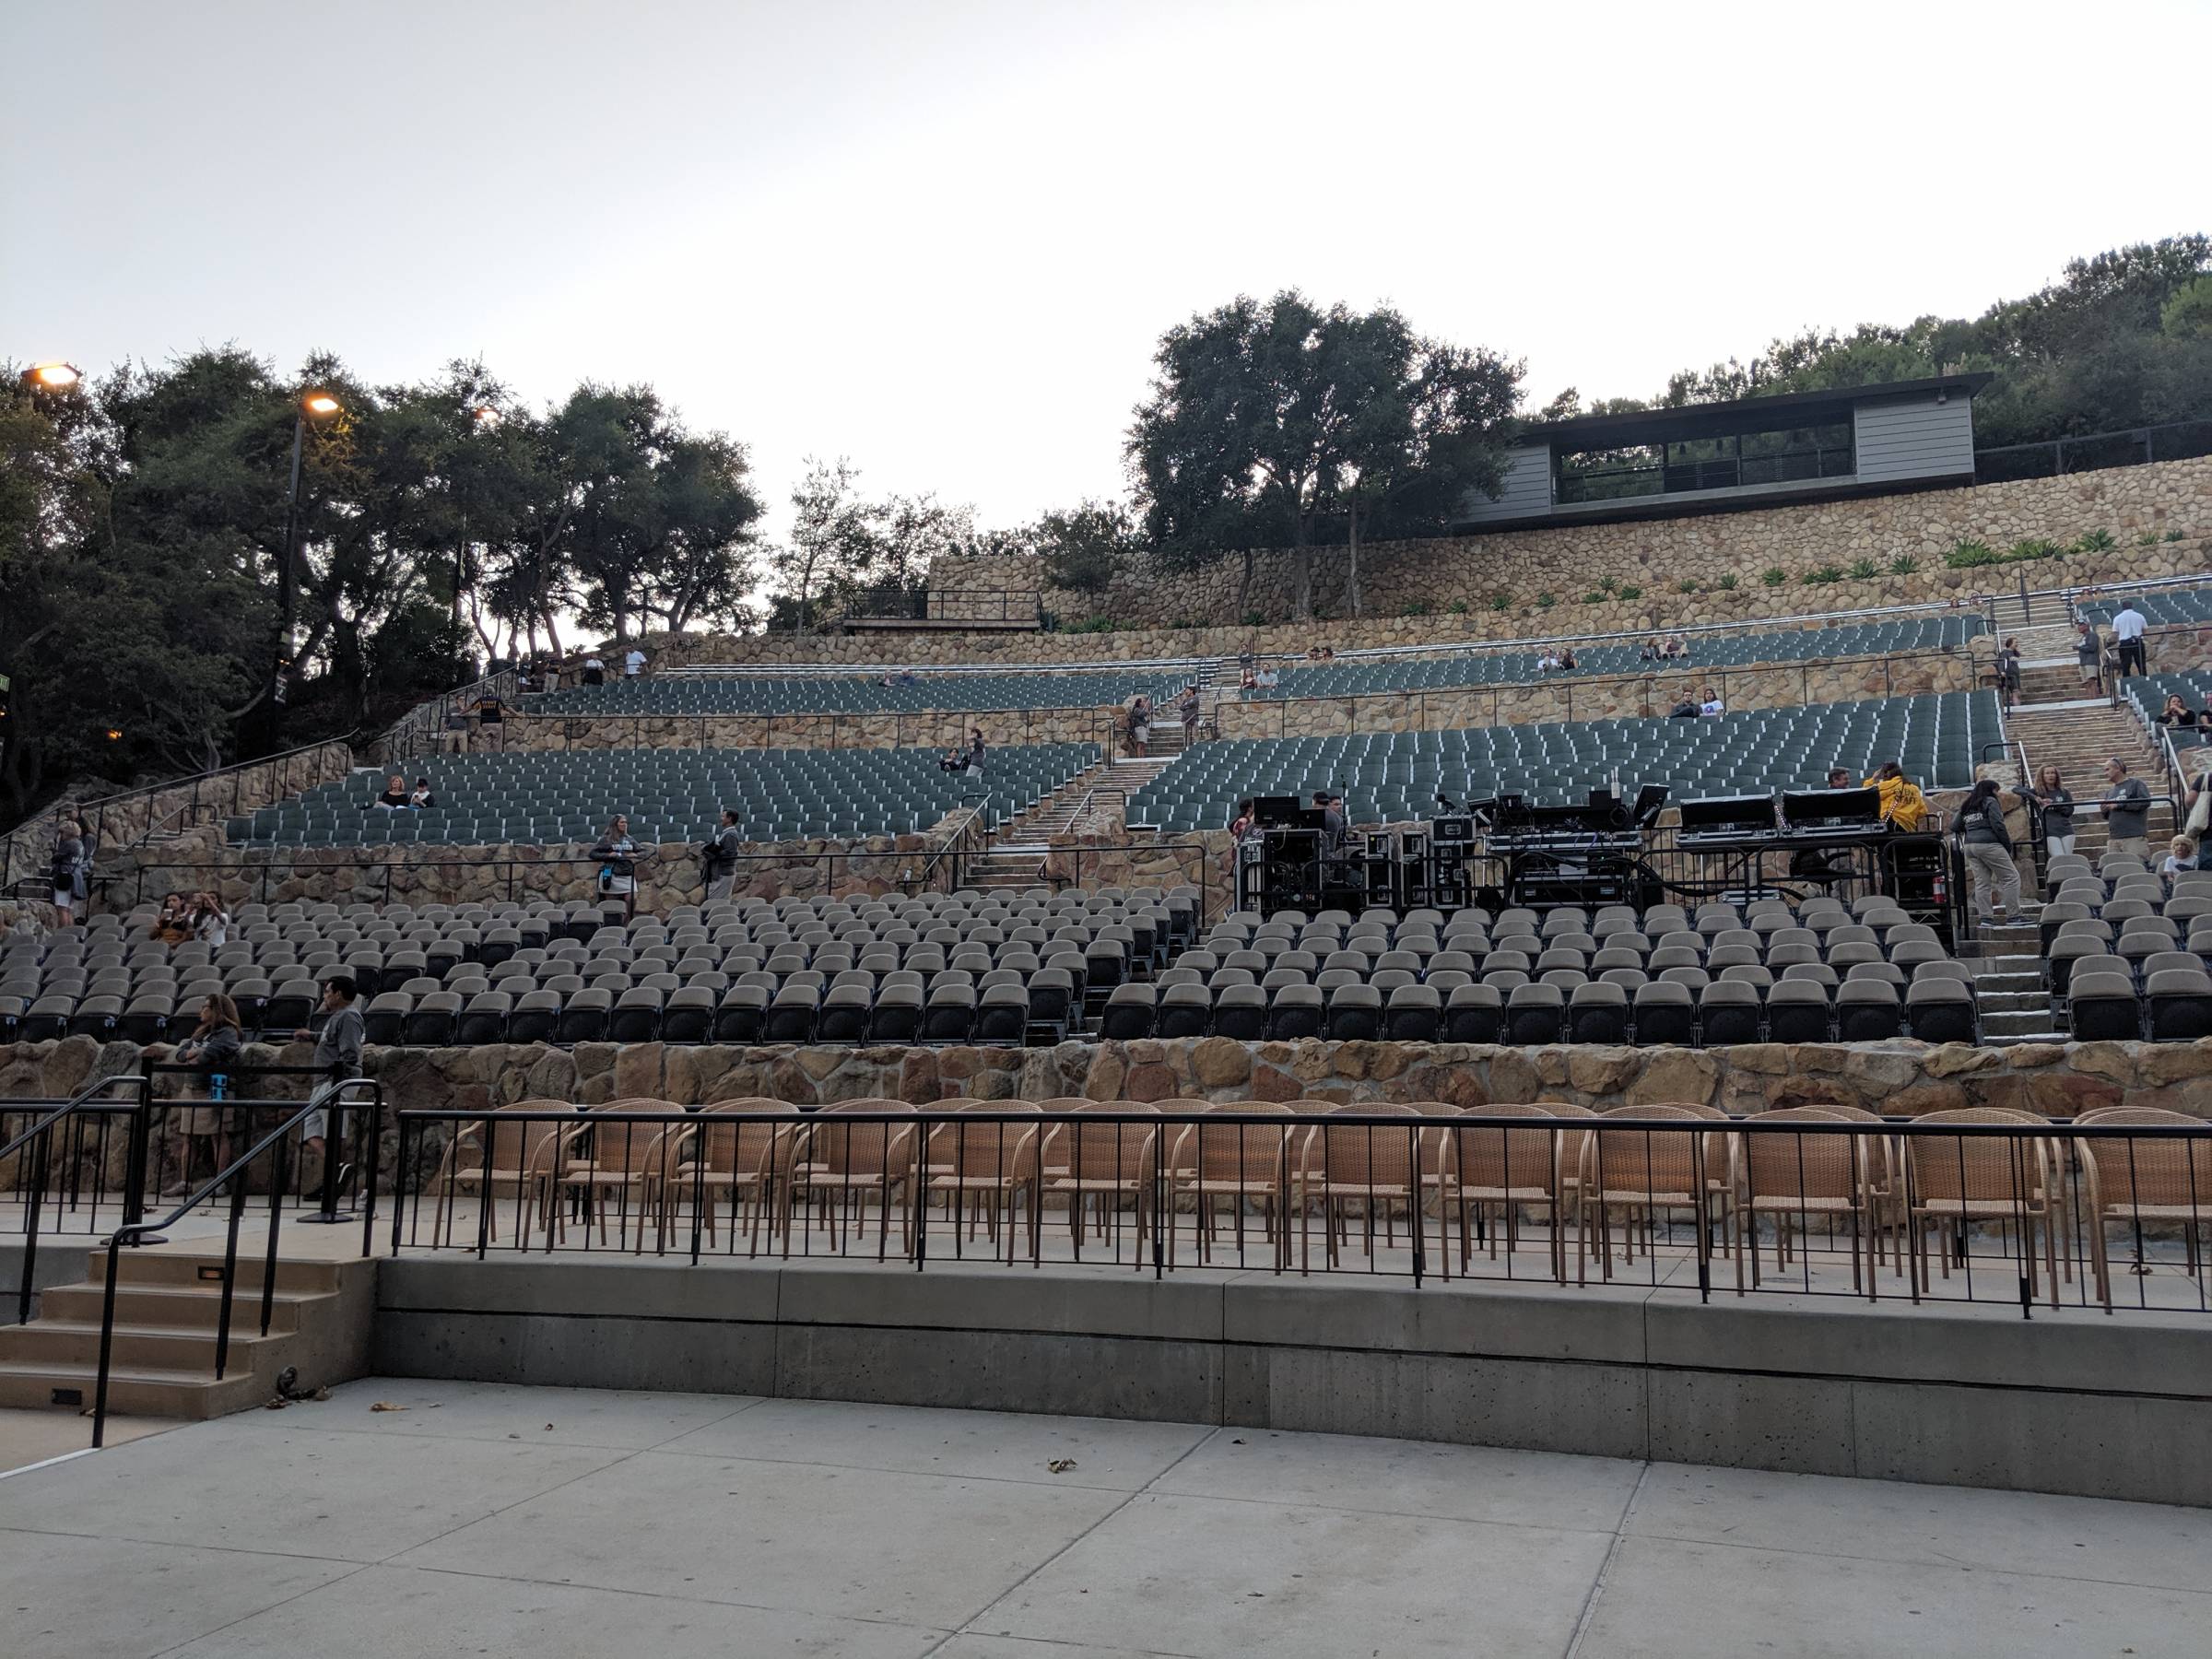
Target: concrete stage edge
(2074,1402)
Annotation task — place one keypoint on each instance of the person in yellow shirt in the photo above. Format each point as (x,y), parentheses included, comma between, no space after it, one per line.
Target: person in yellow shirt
(1903,806)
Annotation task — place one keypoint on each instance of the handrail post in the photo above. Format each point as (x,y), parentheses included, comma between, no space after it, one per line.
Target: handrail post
(107,1350)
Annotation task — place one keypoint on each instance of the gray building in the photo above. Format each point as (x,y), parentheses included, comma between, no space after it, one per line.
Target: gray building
(1756,451)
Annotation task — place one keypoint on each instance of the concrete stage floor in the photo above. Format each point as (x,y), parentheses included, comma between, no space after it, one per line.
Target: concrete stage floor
(559,1521)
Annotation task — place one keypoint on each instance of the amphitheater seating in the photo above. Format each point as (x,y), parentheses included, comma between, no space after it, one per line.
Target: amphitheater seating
(2148,693)
(2125,951)
(1389,777)
(1715,976)
(2159,610)
(554,797)
(1518,665)
(857,694)
(971,967)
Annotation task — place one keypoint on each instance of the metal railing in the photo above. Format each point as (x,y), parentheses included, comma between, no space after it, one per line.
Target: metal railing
(327,1102)
(1977,1208)
(2130,446)
(422,729)
(1413,703)
(87,1123)
(222,792)
(426,879)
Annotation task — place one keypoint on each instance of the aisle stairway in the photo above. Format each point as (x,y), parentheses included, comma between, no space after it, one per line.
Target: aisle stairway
(1017,858)
(2057,726)
(167,1311)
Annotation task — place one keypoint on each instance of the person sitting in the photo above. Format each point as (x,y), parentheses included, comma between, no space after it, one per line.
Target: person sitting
(1712,705)
(1546,661)
(420,797)
(210,921)
(1266,677)
(395,798)
(1903,806)
(2181,854)
(1567,663)
(172,923)
(908,678)
(952,761)
(2177,713)
(1686,710)
(1248,681)
(1650,650)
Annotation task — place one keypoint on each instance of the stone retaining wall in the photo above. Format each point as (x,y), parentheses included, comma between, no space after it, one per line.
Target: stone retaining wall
(490,875)
(933,729)
(1901,1079)
(1678,564)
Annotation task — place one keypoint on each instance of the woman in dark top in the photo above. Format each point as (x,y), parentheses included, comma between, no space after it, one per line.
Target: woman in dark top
(212,1049)
(2056,805)
(2177,714)
(975,750)
(2008,673)
(396,792)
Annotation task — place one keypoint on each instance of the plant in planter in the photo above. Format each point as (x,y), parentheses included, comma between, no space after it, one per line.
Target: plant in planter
(2095,541)
(1972,554)
(1772,576)
(1824,576)
(1726,583)
(1904,564)
(1865,570)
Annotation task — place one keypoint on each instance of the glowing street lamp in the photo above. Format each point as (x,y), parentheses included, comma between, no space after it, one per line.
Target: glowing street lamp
(53,377)
(320,405)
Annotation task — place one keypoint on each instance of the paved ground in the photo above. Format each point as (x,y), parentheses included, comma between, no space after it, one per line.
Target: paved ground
(554,1522)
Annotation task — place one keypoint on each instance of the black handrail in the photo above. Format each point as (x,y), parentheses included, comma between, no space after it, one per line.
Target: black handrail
(323,1099)
(42,1133)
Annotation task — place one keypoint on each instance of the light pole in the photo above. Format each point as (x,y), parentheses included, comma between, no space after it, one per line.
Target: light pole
(319,405)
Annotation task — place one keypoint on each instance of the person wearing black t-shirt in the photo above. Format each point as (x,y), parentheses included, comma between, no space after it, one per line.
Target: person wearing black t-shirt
(395,795)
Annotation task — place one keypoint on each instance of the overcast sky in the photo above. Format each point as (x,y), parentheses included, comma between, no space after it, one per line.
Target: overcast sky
(942,238)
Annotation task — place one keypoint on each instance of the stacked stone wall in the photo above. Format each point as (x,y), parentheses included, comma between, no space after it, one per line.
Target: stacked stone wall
(1902,1078)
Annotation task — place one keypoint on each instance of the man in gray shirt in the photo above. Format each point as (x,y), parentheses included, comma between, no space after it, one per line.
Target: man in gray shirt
(2126,806)
(338,1045)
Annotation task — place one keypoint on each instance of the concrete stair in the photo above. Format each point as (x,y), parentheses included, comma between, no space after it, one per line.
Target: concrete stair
(1017,859)
(2078,736)
(168,1314)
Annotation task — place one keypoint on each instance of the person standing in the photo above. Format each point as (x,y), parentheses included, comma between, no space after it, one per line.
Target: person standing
(211,1050)
(975,751)
(721,857)
(594,670)
(337,1037)
(2008,673)
(2126,808)
(2056,804)
(69,871)
(2088,651)
(2127,634)
(633,663)
(617,854)
(1187,706)
(1987,845)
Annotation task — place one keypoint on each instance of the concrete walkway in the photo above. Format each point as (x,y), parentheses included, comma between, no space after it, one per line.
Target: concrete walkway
(555,1522)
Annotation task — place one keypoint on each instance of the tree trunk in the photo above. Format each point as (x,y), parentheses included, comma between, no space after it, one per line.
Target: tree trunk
(1244,589)
(1301,575)
(1352,576)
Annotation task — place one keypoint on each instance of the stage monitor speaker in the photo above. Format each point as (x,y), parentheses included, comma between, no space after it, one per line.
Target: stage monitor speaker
(1729,812)
(1855,807)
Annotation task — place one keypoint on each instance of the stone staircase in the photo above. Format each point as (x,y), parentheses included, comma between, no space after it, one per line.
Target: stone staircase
(2059,727)
(1017,858)
(168,1312)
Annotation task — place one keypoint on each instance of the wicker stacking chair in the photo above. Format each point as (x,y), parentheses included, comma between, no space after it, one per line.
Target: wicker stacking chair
(1953,1182)
(2137,1181)
(1108,1166)
(1498,1173)
(1643,1172)
(628,1166)
(1796,1177)
(1240,1157)
(750,1161)
(511,1158)
(839,1167)
(1372,1166)
(987,1169)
